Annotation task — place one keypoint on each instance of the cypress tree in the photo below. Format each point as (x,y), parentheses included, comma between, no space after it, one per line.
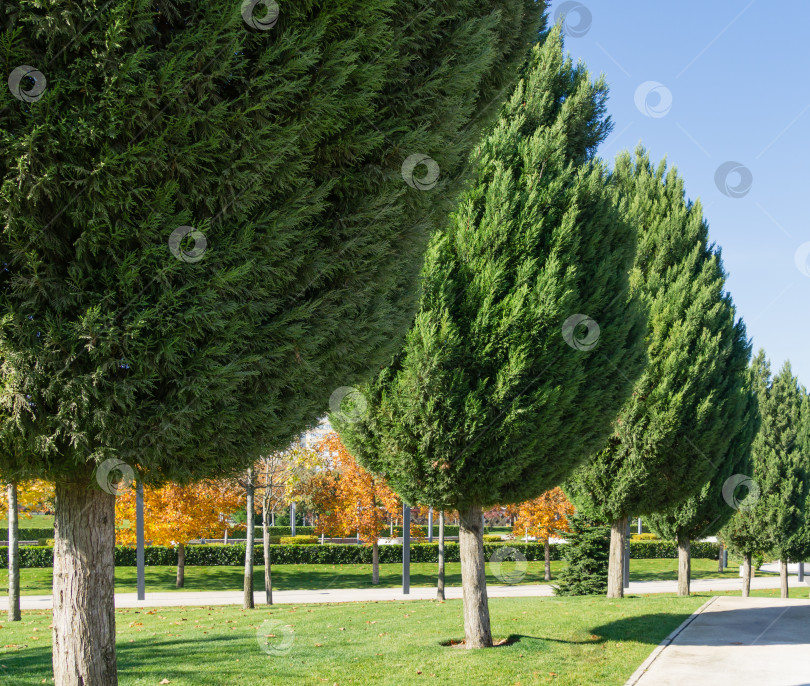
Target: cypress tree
(206,230)
(508,376)
(689,407)
(586,555)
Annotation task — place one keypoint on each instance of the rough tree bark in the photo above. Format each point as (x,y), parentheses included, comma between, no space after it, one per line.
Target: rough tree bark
(181,566)
(247,602)
(440,587)
(746,590)
(783,578)
(547,551)
(684,564)
(375,562)
(618,534)
(268,577)
(13,556)
(720,567)
(477,632)
(83,593)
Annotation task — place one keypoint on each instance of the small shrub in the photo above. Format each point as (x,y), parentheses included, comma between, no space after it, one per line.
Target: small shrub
(644,537)
(298,540)
(492,538)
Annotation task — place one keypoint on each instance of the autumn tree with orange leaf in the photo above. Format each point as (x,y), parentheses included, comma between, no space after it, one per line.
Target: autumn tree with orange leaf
(544,517)
(174,514)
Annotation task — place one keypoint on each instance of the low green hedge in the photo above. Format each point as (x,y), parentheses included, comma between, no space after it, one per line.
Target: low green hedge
(234,555)
(33,534)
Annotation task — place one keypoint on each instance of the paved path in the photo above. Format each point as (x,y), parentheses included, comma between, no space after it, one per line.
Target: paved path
(734,640)
(342,595)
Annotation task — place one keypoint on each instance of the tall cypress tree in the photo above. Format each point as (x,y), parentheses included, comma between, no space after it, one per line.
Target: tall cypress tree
(508,377)
(689,407)
(212,217)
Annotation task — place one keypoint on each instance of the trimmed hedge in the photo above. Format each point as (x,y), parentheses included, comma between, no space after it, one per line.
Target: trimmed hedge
(234,555)
(33,534)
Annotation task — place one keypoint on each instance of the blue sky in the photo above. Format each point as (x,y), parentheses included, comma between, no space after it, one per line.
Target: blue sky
(723,81)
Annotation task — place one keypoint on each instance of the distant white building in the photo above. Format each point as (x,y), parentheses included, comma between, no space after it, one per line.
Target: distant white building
(311,438)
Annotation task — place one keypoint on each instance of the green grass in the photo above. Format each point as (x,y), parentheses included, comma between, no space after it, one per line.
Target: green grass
(36,521)
(565,641)
(308,577)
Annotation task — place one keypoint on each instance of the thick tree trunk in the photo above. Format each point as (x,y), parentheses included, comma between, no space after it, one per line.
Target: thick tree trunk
(247,602)
(618,534)
(83,591)
(477,633)
(375,562)
(684,564)
(181,566)
(547,550)
(783,578)
(268,577)
(13,556)
(720,567)
(746,590)
(440,587)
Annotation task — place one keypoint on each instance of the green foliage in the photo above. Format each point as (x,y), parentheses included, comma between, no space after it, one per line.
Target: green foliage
(644,537)
(644,550)
(298,540)
(28,534)
(690,410)
(587,556)
(487,402)
(491,538)
(284,149)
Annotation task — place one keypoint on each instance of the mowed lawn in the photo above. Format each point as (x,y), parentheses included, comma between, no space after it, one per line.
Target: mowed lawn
(565,641)
(306,577)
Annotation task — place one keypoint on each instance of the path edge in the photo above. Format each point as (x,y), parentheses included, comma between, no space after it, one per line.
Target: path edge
(653,656)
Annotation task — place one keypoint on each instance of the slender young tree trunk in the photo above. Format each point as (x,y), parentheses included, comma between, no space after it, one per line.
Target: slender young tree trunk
(783,578)
(746,590)
(440,587)
(268,577)
(181,566)
(83,595)
(477,632)
(547,550)
(684,564)
(375,562)
(247,602)
(720,559)
(618,534)
(13,556)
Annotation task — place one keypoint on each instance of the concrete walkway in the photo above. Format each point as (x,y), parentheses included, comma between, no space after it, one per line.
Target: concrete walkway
(733,640)
(343,595)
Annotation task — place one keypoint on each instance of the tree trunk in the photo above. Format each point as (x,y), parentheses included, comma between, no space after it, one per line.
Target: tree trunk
(13,556)
(547,550)
(477,632)
(746,590)
(83,587)
(375,562)
(618,534)
(684,564)
(268,577)
(440,587)
(783,578)
(247,602)
(181,566)
(720,567)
